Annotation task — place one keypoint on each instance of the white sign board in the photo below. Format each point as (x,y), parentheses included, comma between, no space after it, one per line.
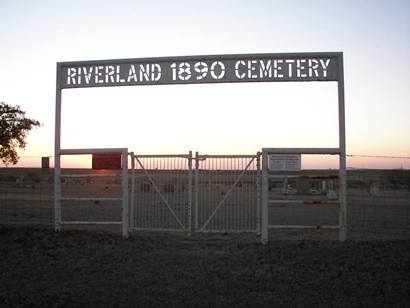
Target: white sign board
(285,162)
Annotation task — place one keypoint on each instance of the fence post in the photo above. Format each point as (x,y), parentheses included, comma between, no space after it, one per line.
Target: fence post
(57,156)
(196,189)
(57,192)
(125,214)
(190,203)
(258,192)
(342,148)
(132,191)
(342,204)
(264,201)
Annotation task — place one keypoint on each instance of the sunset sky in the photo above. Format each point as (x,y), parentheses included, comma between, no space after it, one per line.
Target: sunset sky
(212,118)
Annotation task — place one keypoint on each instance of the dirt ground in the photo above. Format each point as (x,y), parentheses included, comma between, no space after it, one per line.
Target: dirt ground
(39,267)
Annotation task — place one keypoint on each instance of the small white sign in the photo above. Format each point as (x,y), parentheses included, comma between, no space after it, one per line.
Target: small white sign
(285,162)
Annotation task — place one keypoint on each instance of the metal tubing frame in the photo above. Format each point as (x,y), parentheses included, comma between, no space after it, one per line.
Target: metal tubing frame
(90,199)
(192,224)
(226,195)
(135,158)
(162,155)
(265,191)
(57,186)
(252,159)
(307,202)
(330,151)
(78,222)
(341,151)
(258,192)
(125,209)
(190,203)
(342,147)
(196,205)
(57,160)
(158,191)
(205,156)
(132,196)
(94,151)
(302,227)
(265,200)
(303,177)
(73,175)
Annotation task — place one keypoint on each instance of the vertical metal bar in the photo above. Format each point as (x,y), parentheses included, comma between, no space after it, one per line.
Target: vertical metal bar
(342,147)
(159,181)
(242,224)
(258,192)
(226,224)
(143,199)
(244,194)
(125,215)
(57,161)
(238,190)
(153,212)
(151,208)
(132,213)
(196,213)
(190,203)
(238,207)
(264,201)
(176,201)
(140,212)
(251,210)
(214,166)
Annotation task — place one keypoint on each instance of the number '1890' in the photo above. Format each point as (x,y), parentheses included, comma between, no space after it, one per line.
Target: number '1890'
(198,71)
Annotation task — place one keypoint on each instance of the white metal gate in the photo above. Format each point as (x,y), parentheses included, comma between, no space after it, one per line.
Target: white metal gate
(205,193)
(66,203)
(227,193)
(322,218)
(161,192)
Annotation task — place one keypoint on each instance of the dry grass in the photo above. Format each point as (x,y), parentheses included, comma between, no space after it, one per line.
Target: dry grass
(45,269)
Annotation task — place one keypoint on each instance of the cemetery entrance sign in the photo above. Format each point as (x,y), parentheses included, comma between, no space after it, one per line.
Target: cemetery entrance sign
(199,69)
(276,67)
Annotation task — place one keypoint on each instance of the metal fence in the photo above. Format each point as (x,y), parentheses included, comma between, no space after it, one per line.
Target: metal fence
(26,196)
(227,193)
(378,204)
(91,198)
(90,191)
(378,201)
(206,193)
(161,192)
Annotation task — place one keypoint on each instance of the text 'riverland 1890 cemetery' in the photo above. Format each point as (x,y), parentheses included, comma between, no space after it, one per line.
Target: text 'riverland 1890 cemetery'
(200,69)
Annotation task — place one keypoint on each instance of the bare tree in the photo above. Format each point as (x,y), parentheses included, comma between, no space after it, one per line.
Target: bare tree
(14,128)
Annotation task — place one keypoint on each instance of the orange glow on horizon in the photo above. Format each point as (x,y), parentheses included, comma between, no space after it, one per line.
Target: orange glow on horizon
(308,162)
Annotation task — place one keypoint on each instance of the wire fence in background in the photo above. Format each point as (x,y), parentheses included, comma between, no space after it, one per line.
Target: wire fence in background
(26,196)
(378,201)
